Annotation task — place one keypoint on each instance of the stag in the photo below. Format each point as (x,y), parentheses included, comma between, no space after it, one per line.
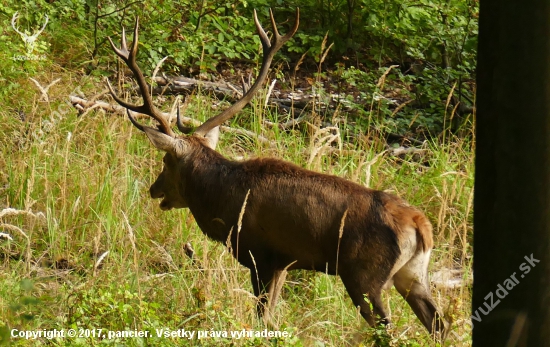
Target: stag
(294,218)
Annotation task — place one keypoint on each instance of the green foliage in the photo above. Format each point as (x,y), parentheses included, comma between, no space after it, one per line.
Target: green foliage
(380,338)
(310,43)
(402,31)
(432,42)
(113,307)
(23,304)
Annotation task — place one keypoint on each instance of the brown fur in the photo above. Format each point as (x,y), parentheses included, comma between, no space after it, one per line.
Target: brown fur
(401,215)
(293,216)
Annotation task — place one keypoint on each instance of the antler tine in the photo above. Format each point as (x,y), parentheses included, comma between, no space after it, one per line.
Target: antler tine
(269,51)
(266,44)
(273,23)
(123,42)
(129,57)
(13,24)
(44,26)
(134,121)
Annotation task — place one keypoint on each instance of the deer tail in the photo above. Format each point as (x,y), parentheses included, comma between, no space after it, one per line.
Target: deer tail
(424,232)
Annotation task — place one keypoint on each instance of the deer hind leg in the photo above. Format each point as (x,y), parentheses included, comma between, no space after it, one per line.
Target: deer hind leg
(365,291)
(411,281)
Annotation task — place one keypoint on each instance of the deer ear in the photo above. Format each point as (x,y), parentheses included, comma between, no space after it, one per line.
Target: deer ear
(160,140)
(212,137)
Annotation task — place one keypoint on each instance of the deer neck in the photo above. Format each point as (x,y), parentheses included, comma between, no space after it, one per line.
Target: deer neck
(213,194)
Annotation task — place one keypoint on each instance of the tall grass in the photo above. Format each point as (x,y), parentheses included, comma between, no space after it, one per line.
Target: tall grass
(105,256)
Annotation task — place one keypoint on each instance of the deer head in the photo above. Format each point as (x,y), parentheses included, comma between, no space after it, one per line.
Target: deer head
(177,148)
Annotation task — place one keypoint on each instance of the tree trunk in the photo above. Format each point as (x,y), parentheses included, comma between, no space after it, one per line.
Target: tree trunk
(351,6)
(511,300)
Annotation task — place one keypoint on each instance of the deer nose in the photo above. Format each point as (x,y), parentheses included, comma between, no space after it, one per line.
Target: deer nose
(155,194)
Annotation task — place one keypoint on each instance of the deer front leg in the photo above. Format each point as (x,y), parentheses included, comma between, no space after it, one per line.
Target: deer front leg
(267,284)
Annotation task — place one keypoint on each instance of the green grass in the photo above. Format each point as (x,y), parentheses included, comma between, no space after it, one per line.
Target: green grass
(92,188)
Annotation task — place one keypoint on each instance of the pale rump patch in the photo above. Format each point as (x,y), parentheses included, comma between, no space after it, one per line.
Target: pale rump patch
(408,247)
(414,234)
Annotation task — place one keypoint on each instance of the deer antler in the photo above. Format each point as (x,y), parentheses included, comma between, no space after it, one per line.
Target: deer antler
(129,57)
(269,50)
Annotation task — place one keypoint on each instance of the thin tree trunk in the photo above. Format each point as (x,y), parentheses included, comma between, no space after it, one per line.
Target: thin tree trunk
(351,7)
(512,187)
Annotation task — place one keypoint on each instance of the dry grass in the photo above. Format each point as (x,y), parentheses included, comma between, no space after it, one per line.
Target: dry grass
(89,177)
